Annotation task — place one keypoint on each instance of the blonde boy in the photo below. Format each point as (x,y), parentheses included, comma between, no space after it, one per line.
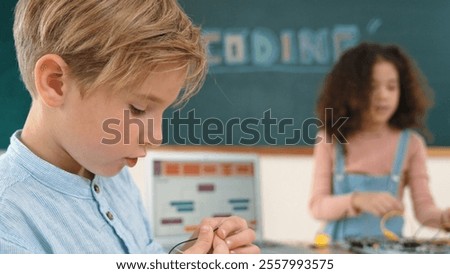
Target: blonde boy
(63,189)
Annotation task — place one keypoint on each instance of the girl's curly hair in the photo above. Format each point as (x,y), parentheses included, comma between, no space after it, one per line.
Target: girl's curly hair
(347,88)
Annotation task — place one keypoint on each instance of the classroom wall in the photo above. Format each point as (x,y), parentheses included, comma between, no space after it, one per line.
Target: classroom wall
(286,183)
(285,186)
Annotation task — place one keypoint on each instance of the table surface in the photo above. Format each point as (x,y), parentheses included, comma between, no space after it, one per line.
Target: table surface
(300,248)
(362,246)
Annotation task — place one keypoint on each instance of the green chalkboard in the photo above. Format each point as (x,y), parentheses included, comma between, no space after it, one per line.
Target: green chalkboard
(268,55)
(14,99)
(267,61)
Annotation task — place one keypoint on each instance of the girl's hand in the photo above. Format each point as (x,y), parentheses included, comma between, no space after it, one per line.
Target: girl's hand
(376,203)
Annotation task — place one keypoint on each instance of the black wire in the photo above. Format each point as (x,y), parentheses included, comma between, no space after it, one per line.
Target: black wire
(187,241)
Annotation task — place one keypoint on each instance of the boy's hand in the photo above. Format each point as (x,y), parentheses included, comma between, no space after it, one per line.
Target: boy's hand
(236,234)
(376,203)
(232,236)
(204,242)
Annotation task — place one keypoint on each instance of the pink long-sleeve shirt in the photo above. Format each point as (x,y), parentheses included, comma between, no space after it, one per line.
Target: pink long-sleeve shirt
(372,154)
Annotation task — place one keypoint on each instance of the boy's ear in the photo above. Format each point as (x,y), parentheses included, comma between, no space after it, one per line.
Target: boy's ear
(50,72)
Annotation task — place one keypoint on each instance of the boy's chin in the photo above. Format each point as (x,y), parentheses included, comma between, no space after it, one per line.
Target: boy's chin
(110,172)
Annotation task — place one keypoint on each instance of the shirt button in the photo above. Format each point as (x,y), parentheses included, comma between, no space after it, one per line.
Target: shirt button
(109,215)
(97,188)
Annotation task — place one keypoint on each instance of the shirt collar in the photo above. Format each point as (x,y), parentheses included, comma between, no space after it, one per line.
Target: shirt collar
(47,173)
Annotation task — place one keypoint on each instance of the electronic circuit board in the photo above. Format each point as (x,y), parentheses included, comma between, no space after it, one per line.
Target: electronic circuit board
(403,246)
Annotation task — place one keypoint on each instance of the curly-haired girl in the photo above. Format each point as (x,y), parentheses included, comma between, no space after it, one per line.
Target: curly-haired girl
(363,166)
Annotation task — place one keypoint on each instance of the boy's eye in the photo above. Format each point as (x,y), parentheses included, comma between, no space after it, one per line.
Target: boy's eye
(134,110)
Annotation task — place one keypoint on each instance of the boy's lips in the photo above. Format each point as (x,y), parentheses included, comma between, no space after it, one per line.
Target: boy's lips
(131,162)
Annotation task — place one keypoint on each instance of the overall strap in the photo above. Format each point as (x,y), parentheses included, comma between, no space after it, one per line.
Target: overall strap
(402,147)
(339,166)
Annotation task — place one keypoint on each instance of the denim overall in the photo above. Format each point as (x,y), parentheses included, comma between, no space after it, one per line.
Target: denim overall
(366,225)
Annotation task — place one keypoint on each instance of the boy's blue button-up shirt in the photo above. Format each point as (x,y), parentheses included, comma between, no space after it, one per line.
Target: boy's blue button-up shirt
(44,209)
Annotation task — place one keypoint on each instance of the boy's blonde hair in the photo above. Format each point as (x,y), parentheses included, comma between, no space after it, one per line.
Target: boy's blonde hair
(109,42)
